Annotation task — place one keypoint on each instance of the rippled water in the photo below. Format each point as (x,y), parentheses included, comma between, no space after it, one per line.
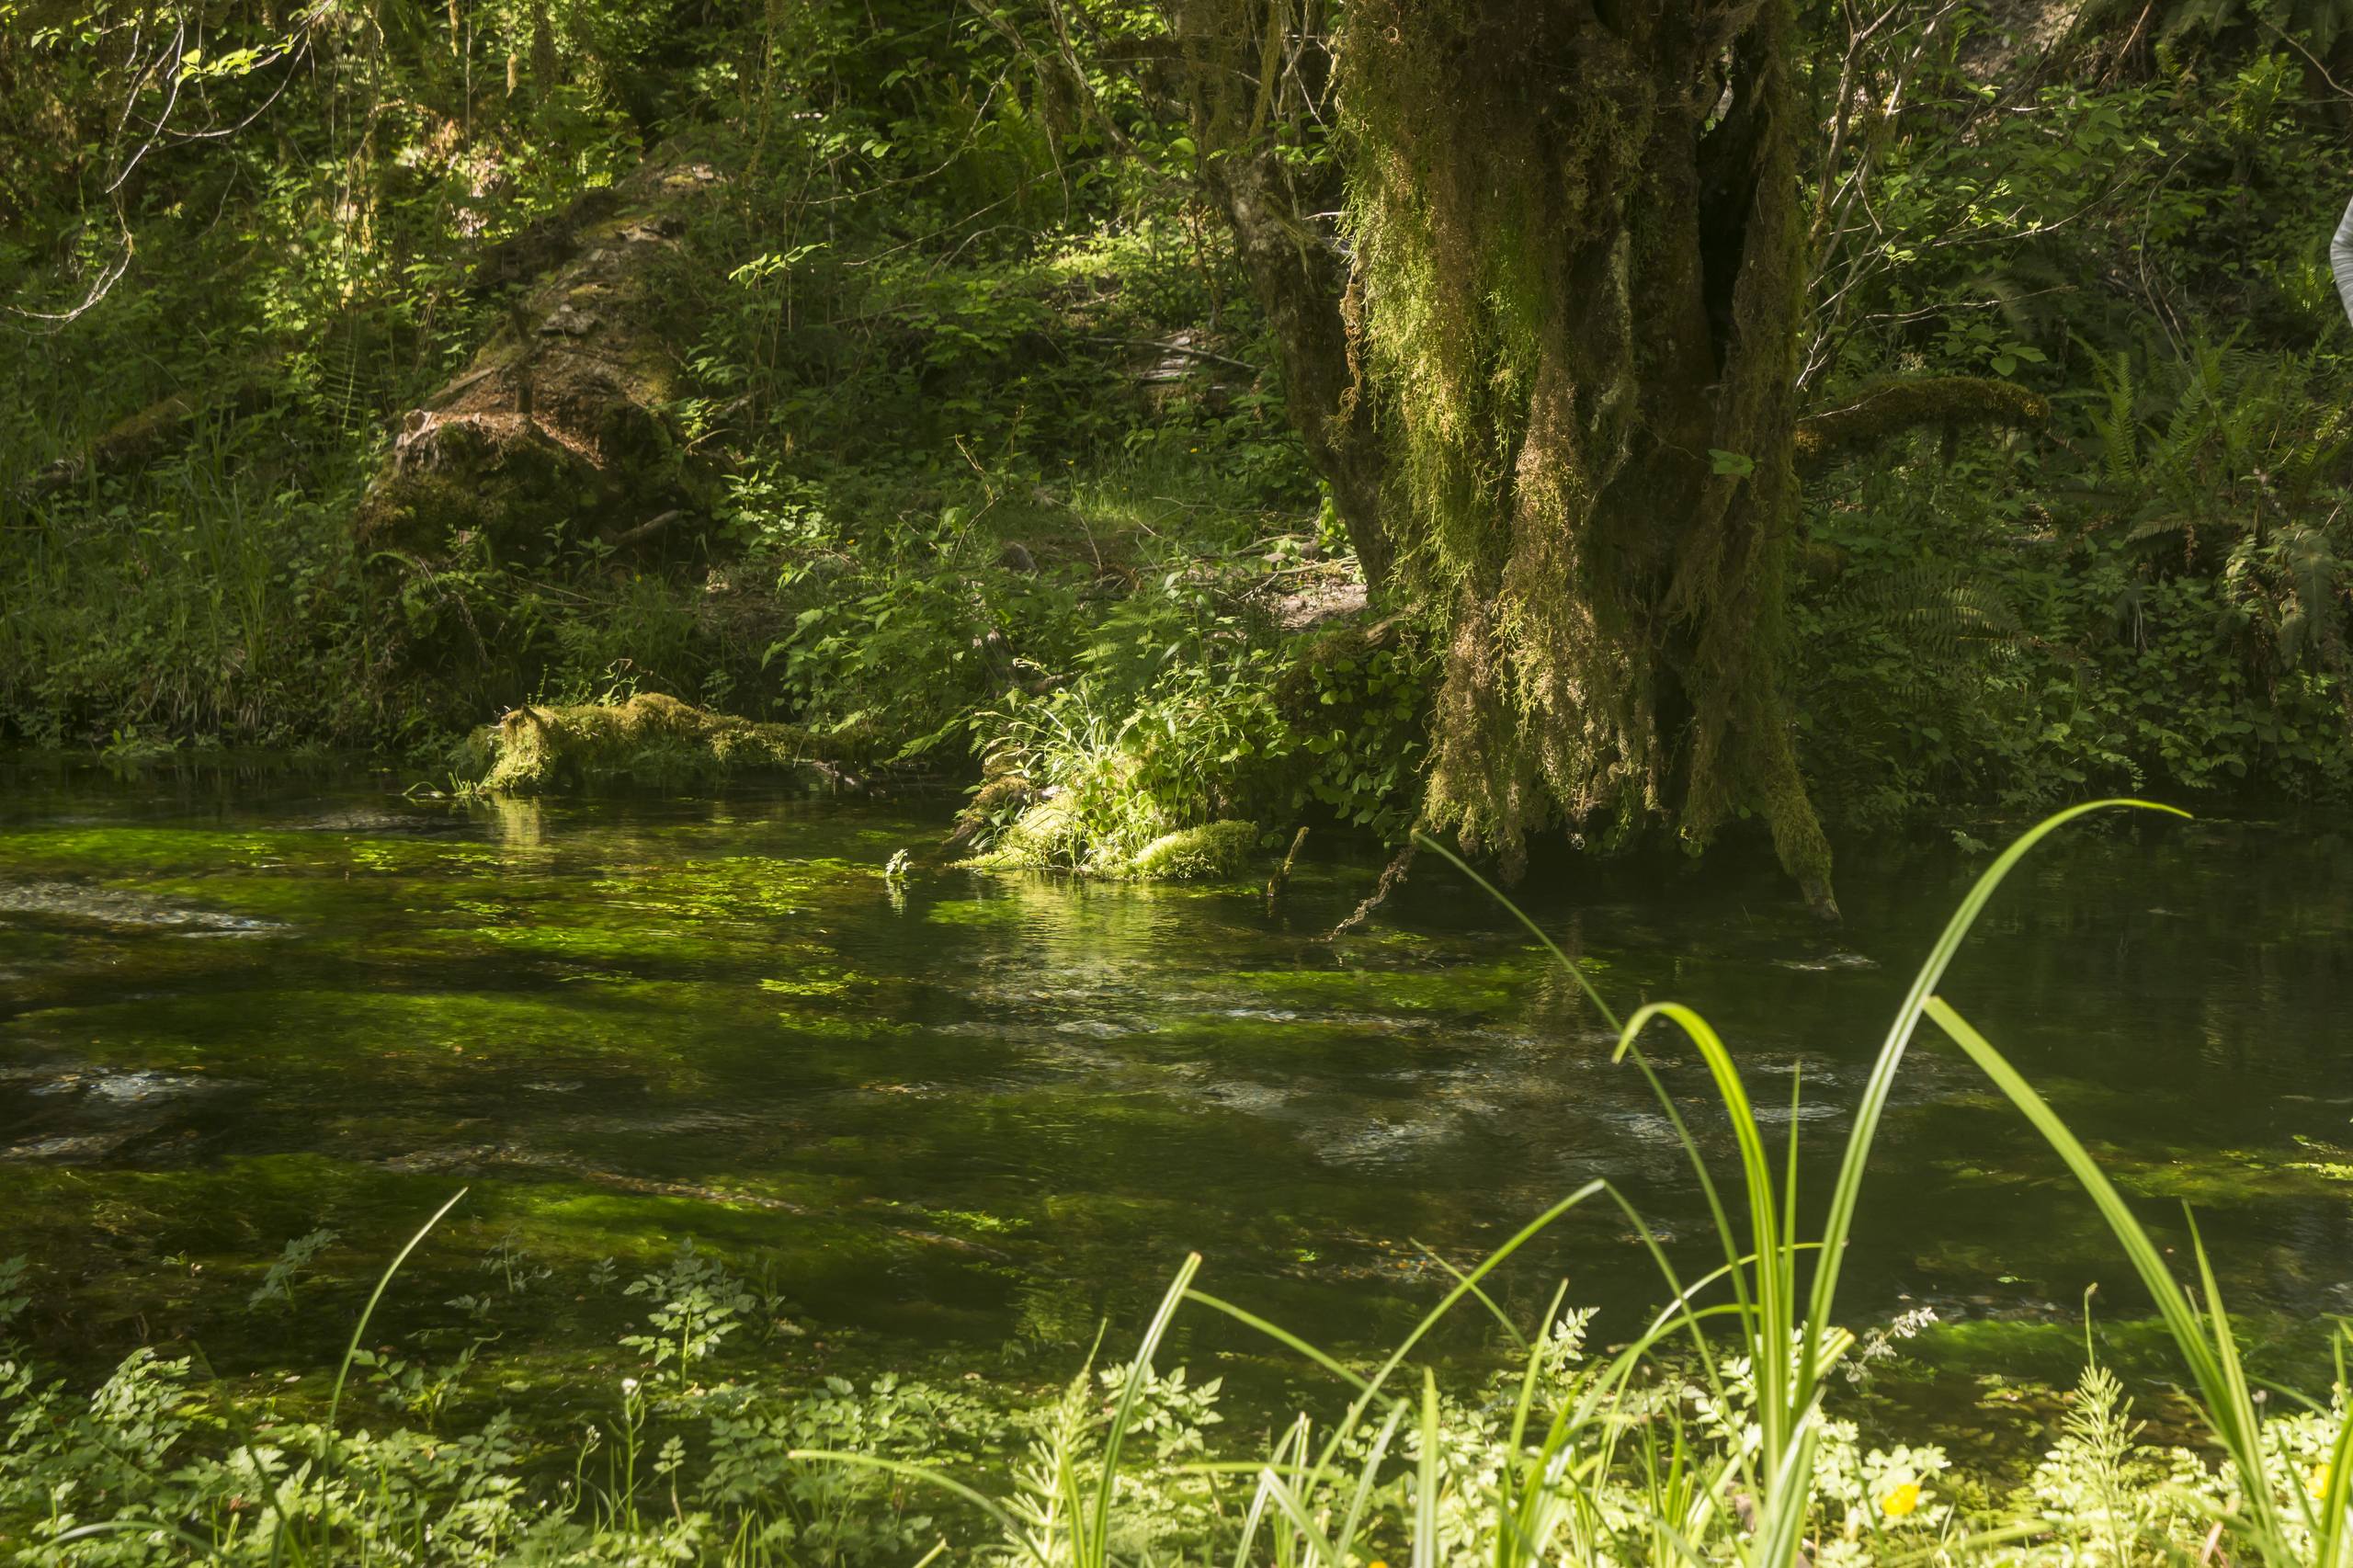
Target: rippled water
(236,1005)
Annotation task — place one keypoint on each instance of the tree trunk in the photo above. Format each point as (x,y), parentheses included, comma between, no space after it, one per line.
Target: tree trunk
(1577,235)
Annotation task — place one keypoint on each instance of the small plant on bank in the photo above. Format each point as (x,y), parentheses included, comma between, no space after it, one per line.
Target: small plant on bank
(696,1303)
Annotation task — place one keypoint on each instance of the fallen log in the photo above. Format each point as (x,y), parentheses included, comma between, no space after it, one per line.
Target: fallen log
(557,433)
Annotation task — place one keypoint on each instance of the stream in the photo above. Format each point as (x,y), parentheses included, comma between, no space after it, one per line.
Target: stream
(240,1002)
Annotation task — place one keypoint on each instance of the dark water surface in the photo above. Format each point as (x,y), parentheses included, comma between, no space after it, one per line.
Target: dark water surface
(236,1005)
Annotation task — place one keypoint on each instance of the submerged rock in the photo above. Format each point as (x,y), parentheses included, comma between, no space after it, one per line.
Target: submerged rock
(534,749)
(87,904)
(125,1088)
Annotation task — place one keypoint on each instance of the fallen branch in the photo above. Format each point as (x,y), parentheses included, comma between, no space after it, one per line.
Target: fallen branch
(1276,883)
(1390,875)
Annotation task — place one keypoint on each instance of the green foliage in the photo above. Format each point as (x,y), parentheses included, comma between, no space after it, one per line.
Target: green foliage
(1000,471)
(278,1284)
(1359,729)
(695,1304)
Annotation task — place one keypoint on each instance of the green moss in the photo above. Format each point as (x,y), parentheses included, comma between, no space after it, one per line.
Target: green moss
(1220,849)
(534,750)
(1048,836)
(1053,836)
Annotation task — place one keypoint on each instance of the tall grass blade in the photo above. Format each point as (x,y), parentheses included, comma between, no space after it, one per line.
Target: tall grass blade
(1426,1478)
(359,1329)
(1139,1373)
(2213,1359)
(1846,1192)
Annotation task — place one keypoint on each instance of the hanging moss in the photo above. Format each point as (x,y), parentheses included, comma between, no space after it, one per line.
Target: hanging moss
(1580,286)
(535,750)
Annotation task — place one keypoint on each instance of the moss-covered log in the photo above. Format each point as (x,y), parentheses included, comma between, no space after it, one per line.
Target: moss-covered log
(556,433)
(648,738)
(1053,836)
(152,430)
(1889,408)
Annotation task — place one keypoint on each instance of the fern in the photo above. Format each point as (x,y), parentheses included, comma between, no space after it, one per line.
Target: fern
(2095,1485)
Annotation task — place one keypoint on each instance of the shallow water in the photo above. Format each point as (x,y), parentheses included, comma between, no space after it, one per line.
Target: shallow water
(239,1004)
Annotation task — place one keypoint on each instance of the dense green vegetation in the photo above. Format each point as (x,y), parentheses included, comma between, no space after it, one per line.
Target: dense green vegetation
(1169,424)
(965,401)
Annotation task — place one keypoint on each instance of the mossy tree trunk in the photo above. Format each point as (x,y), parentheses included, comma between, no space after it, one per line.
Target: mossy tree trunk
(1578,241)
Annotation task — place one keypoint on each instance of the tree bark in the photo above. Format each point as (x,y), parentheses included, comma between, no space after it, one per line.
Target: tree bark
(1578,238)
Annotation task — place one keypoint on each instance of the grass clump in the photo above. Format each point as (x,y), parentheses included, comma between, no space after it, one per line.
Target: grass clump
(1149,787)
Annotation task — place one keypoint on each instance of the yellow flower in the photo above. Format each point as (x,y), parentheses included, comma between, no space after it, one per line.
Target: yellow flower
(1902,1500)
(2316,1482)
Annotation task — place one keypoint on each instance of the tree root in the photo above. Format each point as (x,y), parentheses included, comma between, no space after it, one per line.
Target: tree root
(1390,875)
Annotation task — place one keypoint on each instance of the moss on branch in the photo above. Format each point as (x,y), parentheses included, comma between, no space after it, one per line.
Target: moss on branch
(1890,408)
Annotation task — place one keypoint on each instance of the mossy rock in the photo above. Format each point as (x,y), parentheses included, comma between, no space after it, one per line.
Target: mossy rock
(1221,849)
(535,750)
(1048,836)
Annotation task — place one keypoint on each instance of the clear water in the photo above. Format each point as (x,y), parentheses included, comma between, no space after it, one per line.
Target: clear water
(236,1005)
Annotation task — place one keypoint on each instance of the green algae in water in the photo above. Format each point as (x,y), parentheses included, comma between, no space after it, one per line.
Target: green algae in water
(638,1018)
